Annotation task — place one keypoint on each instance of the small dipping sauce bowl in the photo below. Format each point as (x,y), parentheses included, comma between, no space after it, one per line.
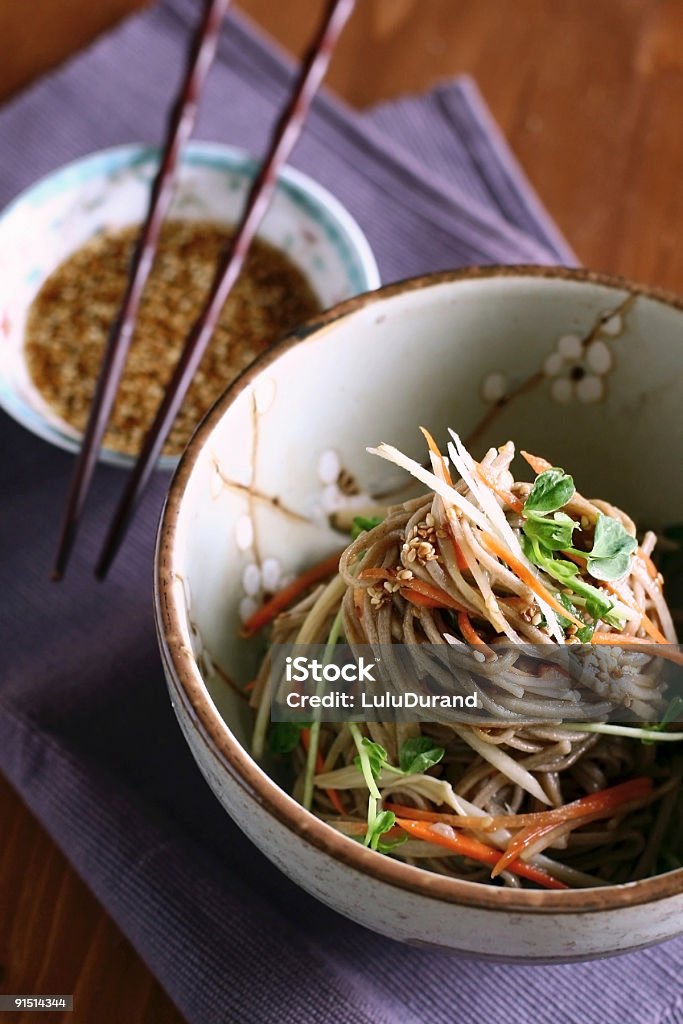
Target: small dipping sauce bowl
(109,190)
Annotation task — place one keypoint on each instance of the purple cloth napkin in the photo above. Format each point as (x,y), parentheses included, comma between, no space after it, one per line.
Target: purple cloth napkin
(87,734)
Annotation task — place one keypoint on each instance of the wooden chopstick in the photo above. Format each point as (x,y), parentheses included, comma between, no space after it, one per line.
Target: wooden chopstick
(285,136)
(180,125)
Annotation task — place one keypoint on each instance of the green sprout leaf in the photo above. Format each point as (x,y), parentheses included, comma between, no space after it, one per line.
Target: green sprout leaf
(610,556)
(377,756)
(552,489)
(418,754)
(598,605)
(383,823)
(362,523)
(554,533)
(585,633)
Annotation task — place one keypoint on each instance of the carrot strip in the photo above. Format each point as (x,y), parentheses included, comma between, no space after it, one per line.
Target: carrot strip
(669,653)
(576,559)
(538,464)
(429,591)
(280,601)
(555,816)
(496,548)
(470,634)
(332,794)
(412,597)
(485,823)
(460,560)
(596,805)
(434,593)
(510,499)
(476,850)
(434,449)
(650,628)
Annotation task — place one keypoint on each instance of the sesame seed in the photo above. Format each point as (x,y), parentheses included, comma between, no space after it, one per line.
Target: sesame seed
(69,320)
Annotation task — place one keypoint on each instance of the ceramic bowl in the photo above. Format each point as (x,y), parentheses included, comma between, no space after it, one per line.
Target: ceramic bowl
(110,189)
(585,369)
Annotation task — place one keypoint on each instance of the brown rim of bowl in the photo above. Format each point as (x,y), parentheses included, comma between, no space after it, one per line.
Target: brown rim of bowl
(232,755)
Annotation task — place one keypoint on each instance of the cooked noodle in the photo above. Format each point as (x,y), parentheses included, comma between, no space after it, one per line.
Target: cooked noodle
(526,761)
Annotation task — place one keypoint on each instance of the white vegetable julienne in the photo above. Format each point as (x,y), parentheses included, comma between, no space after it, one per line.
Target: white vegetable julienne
(464,463)
(479,518)
(501,837)
(504,763)
(440,487)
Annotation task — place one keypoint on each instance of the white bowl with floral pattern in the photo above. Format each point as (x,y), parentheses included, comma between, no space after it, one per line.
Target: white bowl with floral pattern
(582,368)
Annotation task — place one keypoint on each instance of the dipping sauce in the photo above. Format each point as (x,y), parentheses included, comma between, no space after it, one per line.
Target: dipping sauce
(69,321)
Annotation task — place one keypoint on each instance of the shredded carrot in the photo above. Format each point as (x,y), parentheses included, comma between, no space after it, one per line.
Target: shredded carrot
(429,591)
(466,846)
(538,464)
(510,499)
(668,651)
(602,804)
(460,560)
(554,816)
(412,597)
(470,634)
(576,559)
(485,823)
(280,601)
(497,548)
(434,449)
(647,623)
(650,628)
(332,794)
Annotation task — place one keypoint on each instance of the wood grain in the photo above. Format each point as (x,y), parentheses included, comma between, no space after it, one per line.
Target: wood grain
(589,96)
(55,938)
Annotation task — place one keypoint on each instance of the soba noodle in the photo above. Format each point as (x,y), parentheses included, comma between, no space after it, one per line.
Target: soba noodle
(463,546)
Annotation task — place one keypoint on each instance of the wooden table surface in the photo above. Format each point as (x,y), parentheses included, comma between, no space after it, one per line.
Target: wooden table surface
(590,97)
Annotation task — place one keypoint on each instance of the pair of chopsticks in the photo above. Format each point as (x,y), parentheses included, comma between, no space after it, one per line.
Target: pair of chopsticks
(181,124)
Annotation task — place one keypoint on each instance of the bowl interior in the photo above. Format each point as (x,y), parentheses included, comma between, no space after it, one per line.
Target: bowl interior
(583,372)
(110,189)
